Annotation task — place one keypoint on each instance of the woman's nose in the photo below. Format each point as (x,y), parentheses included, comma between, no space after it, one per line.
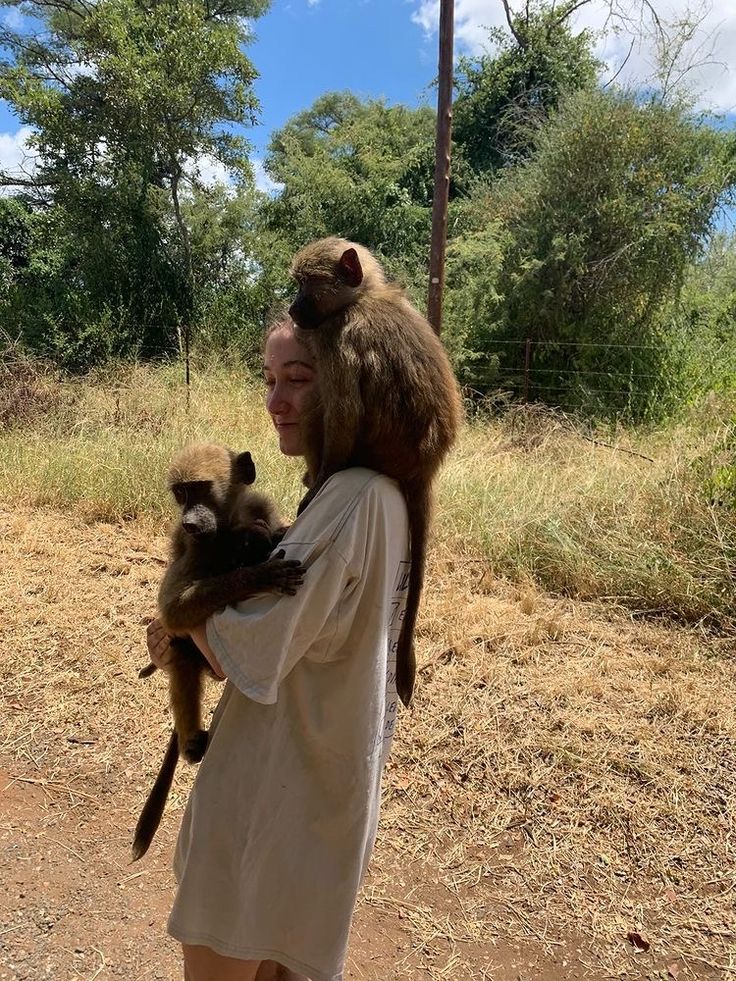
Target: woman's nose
(276,403)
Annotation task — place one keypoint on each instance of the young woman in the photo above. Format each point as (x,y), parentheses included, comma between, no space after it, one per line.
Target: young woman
(282,817)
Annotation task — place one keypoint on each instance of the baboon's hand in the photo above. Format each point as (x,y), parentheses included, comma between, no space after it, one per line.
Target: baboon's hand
(280,575)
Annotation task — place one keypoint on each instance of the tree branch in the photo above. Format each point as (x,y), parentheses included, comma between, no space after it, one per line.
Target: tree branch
(621,66)
(519,39)
(568,12)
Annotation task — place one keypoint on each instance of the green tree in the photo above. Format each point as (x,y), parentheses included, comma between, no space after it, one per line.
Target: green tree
(240,264)
(361,169)
(503,96)
(600,226)
(124,97)
(15,242)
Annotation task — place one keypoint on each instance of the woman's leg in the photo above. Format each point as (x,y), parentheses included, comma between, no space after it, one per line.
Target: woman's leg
(271,971)
(203,964)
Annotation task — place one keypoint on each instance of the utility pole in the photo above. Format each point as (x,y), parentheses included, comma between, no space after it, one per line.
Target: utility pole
(441,167)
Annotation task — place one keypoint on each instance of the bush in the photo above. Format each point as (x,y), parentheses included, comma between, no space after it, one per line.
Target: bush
(591,239)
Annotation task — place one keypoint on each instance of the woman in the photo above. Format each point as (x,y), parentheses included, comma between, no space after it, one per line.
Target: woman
(282,817)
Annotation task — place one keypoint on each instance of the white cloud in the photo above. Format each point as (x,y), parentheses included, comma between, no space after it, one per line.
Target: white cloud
(263,181)
(209,171)
(312,3)
(16,160)
(713,49)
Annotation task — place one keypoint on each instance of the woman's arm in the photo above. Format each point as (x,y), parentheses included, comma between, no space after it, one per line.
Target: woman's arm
(199,636)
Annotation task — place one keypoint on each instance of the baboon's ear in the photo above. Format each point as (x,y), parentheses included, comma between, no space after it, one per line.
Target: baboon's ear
(349,268)
(243,469)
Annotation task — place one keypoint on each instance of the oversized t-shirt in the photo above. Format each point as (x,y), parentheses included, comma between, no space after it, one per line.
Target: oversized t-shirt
(282,817)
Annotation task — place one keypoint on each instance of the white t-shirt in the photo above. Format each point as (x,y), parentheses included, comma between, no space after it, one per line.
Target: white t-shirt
(282,817)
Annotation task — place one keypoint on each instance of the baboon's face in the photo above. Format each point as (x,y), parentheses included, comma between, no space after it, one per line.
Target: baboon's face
(327,284)
(315,301)
(200,506)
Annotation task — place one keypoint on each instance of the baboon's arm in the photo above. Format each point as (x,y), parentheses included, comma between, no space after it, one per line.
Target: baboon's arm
(185,606)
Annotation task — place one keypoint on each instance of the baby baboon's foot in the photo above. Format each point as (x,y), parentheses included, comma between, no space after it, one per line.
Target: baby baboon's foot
(194,748)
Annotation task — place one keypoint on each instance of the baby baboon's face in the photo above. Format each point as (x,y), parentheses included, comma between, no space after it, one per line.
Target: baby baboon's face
(200,505)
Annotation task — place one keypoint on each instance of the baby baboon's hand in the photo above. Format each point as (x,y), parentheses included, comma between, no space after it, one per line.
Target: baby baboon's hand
(281,575)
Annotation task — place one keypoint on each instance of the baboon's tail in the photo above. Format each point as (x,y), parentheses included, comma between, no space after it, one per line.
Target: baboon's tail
(153,809)
(419,504)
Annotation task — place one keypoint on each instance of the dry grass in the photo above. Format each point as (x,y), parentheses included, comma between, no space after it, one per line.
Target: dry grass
(566,771)
(569,769)
(529,495)
(29,388)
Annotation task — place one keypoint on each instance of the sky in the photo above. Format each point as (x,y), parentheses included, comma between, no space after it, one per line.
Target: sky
(388,49)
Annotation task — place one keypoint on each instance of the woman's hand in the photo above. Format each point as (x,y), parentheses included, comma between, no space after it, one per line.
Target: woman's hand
(162,655)
(159,645)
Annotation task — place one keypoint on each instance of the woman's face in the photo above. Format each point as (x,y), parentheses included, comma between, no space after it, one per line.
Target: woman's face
(290,381)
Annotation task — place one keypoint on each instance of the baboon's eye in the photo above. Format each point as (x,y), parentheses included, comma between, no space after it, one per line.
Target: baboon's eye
(180,495)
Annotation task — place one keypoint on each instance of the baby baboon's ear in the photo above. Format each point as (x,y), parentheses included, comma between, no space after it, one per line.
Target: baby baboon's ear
(243,469)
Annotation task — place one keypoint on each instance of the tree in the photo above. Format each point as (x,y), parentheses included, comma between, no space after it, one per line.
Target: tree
(125,97)
(15,240)
(241,268)
(359,169)
(502,97)
(599,228)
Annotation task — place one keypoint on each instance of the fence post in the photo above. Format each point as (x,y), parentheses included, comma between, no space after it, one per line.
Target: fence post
(527,363)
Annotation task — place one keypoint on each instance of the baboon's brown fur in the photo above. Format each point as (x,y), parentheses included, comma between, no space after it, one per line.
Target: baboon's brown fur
(225,529)
(388,398)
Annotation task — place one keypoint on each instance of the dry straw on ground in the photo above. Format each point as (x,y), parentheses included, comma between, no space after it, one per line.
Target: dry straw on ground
(565,776)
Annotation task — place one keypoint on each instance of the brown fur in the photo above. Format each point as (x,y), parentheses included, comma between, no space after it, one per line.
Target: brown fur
(212,564)
(388,396)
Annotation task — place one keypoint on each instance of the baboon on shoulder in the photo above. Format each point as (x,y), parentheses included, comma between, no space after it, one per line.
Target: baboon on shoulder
(388,397)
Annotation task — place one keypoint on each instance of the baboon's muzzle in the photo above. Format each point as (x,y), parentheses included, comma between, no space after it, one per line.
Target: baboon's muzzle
(199,520)
(305,313)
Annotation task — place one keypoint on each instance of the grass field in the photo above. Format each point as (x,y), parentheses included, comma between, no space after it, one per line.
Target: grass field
(632,517)
(565,779)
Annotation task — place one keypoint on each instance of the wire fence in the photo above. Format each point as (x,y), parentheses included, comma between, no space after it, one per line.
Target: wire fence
(574,375)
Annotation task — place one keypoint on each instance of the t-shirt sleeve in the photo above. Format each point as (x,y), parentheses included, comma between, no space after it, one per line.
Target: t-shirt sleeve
(260,640)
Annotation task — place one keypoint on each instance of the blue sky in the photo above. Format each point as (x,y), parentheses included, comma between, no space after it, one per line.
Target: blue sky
(303,49)
(388,48)
(369,46)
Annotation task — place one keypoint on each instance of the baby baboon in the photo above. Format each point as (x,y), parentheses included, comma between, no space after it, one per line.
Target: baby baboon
(388,396)
(225,529)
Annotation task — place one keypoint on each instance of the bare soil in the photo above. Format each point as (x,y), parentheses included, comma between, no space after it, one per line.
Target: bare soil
(559,803)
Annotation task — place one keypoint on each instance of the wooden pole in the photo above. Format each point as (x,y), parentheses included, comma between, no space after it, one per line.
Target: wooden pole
(527,364)
(441,167)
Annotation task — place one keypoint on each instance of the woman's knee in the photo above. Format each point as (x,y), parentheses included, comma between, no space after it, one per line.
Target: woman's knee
(204,964)
(271,971)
